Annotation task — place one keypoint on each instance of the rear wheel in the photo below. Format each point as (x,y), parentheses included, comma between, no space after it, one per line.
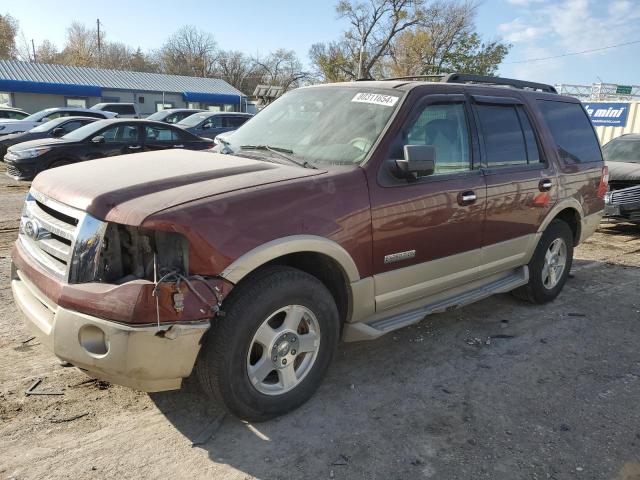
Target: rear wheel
(270,351)
(550,265)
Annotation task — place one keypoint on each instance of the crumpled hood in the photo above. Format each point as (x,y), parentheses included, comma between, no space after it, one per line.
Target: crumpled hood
(624,171)
(128,188)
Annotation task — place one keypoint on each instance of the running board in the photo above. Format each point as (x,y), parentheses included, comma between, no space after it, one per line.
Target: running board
(369,331)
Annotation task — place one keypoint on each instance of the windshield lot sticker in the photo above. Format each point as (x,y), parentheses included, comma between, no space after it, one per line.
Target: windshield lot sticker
(376,99)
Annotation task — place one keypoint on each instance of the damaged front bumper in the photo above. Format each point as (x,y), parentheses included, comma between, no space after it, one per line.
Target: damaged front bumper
(150,358)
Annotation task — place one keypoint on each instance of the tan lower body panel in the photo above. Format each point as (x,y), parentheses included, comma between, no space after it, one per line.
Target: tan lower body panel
(405,285)
(148,358)
(590,225)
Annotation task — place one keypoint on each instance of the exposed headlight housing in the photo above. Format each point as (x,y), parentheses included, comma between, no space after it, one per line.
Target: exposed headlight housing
(129,253)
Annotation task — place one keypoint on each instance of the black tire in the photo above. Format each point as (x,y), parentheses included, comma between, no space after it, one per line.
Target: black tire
(222,364)
(535,291)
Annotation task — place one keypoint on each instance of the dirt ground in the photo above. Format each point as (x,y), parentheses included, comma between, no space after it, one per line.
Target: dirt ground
(497,390)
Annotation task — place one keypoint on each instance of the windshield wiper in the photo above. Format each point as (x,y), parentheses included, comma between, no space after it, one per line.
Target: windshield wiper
(281,152)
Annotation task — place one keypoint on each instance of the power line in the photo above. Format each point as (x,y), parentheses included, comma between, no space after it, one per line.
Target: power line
(573,53)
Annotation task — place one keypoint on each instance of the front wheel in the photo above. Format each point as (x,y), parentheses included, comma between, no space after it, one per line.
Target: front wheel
(550,265)
(271,350)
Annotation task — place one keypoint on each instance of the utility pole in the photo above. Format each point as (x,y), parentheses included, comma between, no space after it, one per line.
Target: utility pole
(99,43)
(33,46)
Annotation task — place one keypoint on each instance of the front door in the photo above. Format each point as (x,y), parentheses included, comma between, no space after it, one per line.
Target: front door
(521,185)
(427,233)
(119,139)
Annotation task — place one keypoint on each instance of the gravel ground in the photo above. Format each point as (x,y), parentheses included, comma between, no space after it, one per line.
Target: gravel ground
(497,390)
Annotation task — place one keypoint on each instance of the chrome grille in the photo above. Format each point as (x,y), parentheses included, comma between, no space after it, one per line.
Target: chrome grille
(63,240)
(13,171)
(625,196)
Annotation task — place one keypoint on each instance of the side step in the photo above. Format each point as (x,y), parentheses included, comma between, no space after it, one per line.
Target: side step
(369,331)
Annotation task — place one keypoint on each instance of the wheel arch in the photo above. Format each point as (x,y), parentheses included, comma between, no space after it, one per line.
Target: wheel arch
(317,256)
(571,212)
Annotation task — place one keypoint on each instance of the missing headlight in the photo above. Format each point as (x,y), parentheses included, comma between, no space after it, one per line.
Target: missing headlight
(128,253)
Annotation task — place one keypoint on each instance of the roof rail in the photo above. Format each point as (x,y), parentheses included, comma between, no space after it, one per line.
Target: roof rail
(468,78)
(434,76)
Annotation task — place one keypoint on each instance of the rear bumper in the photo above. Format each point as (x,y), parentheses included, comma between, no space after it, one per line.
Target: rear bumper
(147,358)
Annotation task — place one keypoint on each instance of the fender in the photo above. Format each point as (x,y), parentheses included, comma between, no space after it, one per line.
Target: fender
(286,245)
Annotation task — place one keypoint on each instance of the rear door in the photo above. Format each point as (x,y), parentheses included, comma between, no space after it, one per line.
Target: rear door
(161,137)
(427,234)
(521,182)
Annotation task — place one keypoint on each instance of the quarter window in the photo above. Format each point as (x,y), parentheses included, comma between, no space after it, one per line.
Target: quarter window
(443,126)
(572,131)
(508,137)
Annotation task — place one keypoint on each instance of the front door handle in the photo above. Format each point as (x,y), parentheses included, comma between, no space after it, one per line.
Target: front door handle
(134,147)
(545,185)
(178,146)
(467,198)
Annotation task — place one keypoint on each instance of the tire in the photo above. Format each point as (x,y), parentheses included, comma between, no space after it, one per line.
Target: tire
(232,347)
(541,289)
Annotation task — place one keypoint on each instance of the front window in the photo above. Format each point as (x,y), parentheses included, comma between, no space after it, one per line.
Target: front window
(36,117)
(85,132)
(334,125)
(622,150)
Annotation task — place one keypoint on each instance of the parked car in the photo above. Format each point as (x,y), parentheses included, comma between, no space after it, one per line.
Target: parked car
(8,113)
(105,138)
(622,155)
(344,210)
(173,115)
(211,124)
(52,129)
(122,110)
(18,126)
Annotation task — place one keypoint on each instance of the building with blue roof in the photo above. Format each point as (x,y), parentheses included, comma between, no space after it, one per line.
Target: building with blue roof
(35,86)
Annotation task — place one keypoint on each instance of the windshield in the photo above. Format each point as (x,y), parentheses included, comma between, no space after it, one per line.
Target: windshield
(86,131)
(46,126)
(159,115)
(622,150)
(334,125)
(193,120)
(34,117)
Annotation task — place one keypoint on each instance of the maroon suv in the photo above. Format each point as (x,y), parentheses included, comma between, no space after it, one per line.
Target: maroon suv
(340,211)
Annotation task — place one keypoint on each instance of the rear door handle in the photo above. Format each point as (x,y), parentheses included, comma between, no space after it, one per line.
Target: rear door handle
(467,198)
(178,146)
(545,185)
(134,147)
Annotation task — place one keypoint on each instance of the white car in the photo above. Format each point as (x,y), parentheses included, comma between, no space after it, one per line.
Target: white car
(8,126)
(123,110)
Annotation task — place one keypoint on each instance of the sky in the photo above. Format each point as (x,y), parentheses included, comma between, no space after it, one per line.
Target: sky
(535,28)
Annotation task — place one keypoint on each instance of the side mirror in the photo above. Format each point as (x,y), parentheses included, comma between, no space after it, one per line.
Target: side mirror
(98,139)
(58,132)
(419,161)
(206,125)
(44,119)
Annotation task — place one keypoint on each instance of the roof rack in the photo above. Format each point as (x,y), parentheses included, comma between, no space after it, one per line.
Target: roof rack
(509,82)
(435,76)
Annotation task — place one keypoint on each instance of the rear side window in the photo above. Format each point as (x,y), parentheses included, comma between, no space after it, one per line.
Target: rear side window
(235,122)
(572,131)
(121,109)
(508,137)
